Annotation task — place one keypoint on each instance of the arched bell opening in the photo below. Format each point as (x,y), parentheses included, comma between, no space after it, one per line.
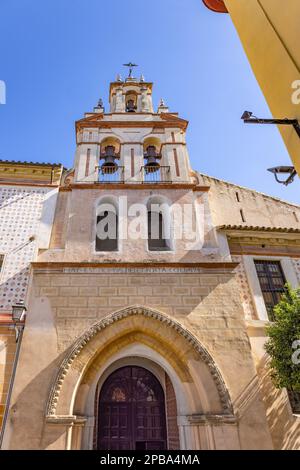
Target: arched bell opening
(109,156)
(131,99)
(152,147)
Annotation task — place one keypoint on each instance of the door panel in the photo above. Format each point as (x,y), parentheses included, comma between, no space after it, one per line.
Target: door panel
(132,411)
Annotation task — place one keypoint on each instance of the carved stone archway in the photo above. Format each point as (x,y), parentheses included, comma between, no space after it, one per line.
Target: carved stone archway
(144,323)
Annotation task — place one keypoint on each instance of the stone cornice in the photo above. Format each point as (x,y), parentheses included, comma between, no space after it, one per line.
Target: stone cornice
(236,229)
(30,173)
(25,183)
(94,142)
(136,186)
(114,85)
(97,120)
(81,266)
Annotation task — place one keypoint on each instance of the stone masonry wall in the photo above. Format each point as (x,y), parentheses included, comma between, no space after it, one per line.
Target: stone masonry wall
(245,293)
(227,200)
(207,303)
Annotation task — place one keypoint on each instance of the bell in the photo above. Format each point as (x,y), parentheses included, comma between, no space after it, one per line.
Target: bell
(152,165)
(130,107)
(109,166)
(151,155)
(150,151)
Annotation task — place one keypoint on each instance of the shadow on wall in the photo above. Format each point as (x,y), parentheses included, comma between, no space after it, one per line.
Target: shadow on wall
(27,419)
(284,426)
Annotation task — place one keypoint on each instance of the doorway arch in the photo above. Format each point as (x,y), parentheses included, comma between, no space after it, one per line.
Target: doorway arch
(132,414)
(202,398)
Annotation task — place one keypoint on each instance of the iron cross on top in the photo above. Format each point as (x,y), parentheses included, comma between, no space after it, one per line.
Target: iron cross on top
(130,65)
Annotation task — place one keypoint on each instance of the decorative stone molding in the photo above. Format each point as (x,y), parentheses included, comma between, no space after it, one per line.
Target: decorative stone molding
(84,339)
(66,420)
(244,400)
(216,420)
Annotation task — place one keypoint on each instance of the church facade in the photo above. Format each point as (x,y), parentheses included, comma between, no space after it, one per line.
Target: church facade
(147,299)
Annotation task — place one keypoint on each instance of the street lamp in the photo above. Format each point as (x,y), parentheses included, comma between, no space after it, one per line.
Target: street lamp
(284,170)
(18,315)
(248,118)
(290,171)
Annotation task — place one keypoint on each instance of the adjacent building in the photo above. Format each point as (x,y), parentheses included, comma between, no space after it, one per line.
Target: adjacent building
(28,193)
(270,29)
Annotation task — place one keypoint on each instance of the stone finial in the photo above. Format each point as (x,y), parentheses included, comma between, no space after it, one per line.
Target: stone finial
(119,78)
(162,108)
(100,107)
(142,79)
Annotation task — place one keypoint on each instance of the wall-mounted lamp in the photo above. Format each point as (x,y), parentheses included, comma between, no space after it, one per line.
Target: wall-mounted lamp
(18,315)
(248,118)
(289,171)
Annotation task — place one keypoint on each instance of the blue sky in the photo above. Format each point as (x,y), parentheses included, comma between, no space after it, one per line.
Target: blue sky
(57,58)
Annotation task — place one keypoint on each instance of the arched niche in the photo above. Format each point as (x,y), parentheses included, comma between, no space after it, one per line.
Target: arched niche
(131,101)
(110,141)
(107,215)
(152,141)
(160,217)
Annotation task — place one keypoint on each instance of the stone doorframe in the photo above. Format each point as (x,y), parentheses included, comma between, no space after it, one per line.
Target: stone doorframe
(203,404)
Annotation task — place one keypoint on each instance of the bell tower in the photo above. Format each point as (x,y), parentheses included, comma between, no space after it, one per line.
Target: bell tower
(131,95)
(131,143)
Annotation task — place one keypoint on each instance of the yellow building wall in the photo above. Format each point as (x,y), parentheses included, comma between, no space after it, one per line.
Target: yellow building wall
(270,31)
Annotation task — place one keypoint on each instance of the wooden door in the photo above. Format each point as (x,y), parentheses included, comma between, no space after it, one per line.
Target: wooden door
(132,411)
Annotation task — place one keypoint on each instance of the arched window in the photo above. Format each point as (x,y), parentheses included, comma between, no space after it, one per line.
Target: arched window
(157,237)
(107,228)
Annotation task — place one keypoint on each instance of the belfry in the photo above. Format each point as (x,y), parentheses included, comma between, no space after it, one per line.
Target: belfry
(146,302)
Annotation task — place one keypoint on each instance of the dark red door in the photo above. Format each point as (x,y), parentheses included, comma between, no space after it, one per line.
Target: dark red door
(132,411)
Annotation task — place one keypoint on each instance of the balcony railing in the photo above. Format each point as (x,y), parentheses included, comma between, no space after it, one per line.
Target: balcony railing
(148,174)
(154,174)
(111,175)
